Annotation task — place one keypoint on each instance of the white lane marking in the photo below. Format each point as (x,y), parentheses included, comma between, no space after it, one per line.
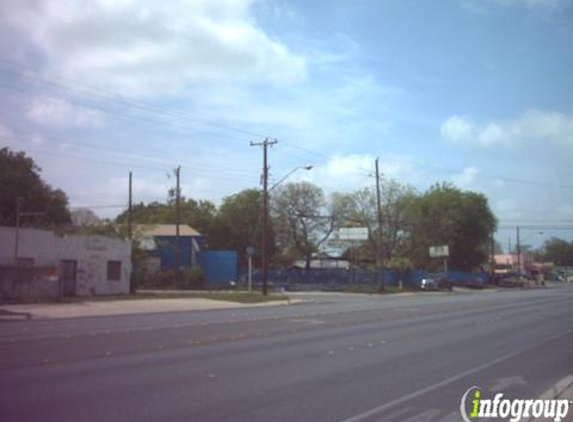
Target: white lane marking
(422,391)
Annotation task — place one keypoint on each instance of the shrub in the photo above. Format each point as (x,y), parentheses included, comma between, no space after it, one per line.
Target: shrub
(193,278)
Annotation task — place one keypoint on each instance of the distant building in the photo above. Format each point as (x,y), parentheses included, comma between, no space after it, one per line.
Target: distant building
(508,263)
(85,265)
(161,241)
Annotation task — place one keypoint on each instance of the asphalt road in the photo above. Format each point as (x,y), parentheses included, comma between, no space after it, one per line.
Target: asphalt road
(336,358)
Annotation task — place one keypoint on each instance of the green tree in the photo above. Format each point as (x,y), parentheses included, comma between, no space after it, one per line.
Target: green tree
(237,225)
(447,216)
(84,217)
(303,219)
(20,178)
(360,208)
(197,214)
(558,251)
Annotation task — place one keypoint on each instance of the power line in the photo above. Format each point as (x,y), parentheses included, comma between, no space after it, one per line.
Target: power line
(77,207)
(107,95)
(196,166)
(527,221)
(131,116)
(535,227)
(130,153)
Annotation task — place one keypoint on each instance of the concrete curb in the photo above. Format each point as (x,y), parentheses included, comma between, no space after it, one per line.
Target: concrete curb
(561,390)
(558,390)
(6,315)
(128,307)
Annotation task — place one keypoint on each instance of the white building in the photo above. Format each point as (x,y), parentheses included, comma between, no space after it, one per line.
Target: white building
(87,264)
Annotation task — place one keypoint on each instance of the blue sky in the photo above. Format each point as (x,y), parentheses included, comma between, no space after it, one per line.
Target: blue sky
(476,93)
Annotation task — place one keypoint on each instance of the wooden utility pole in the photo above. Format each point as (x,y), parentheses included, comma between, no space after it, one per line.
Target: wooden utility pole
(130,233)
(177,221)
(492,255)
(129,208)
(17,234)
(265,215)
(379,254)
(518,253)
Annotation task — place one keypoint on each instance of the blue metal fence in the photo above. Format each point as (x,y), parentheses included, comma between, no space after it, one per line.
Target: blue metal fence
(342,277)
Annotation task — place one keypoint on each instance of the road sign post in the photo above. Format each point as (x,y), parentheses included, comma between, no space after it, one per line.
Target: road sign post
(250,253)
(441,252)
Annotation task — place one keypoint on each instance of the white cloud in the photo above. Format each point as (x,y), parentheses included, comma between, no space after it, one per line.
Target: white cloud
(531,126)
(457,129)
(467,177)
(57,112)
(355,171)
(154,47)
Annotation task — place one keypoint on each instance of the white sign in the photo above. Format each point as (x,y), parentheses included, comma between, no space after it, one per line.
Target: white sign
(353,233)
(439,251)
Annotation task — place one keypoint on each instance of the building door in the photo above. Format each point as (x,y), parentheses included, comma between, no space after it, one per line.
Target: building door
(68,275)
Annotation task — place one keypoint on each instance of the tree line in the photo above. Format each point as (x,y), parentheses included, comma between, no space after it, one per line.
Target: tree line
(304,219)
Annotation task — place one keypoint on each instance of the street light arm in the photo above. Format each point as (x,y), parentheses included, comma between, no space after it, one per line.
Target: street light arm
(288,174)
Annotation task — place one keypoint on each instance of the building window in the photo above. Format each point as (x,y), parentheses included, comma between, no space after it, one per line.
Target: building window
(114,270)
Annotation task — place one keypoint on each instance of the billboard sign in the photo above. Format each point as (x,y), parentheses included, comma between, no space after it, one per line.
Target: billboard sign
(439,251)
(353,233)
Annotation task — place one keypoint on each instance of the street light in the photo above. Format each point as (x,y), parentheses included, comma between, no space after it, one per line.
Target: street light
(266,219)
(307,167)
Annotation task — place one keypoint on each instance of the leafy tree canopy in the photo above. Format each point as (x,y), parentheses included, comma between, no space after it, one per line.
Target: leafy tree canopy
(197,214)
(20,178)
(558,251)
(445,215)
(237,225)
(303,218)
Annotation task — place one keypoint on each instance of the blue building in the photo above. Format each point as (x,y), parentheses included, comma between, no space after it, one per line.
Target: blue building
(219,267)
(161,240)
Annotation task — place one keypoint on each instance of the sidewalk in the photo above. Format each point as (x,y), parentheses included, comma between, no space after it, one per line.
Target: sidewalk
(562,390)
(121,307)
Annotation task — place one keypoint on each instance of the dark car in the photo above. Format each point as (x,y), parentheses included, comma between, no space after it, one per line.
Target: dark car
(436,282)
(475,283)
(513,281)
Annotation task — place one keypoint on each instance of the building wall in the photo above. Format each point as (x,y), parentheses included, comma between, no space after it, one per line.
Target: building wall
(166,247)
(90,252)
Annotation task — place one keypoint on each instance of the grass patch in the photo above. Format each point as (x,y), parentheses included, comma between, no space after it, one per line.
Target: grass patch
(244,297)
(374,289)
(239,297)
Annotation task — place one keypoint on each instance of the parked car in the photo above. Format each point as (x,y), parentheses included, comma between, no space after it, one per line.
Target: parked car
(436,282)
(513,281)
(475,283)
